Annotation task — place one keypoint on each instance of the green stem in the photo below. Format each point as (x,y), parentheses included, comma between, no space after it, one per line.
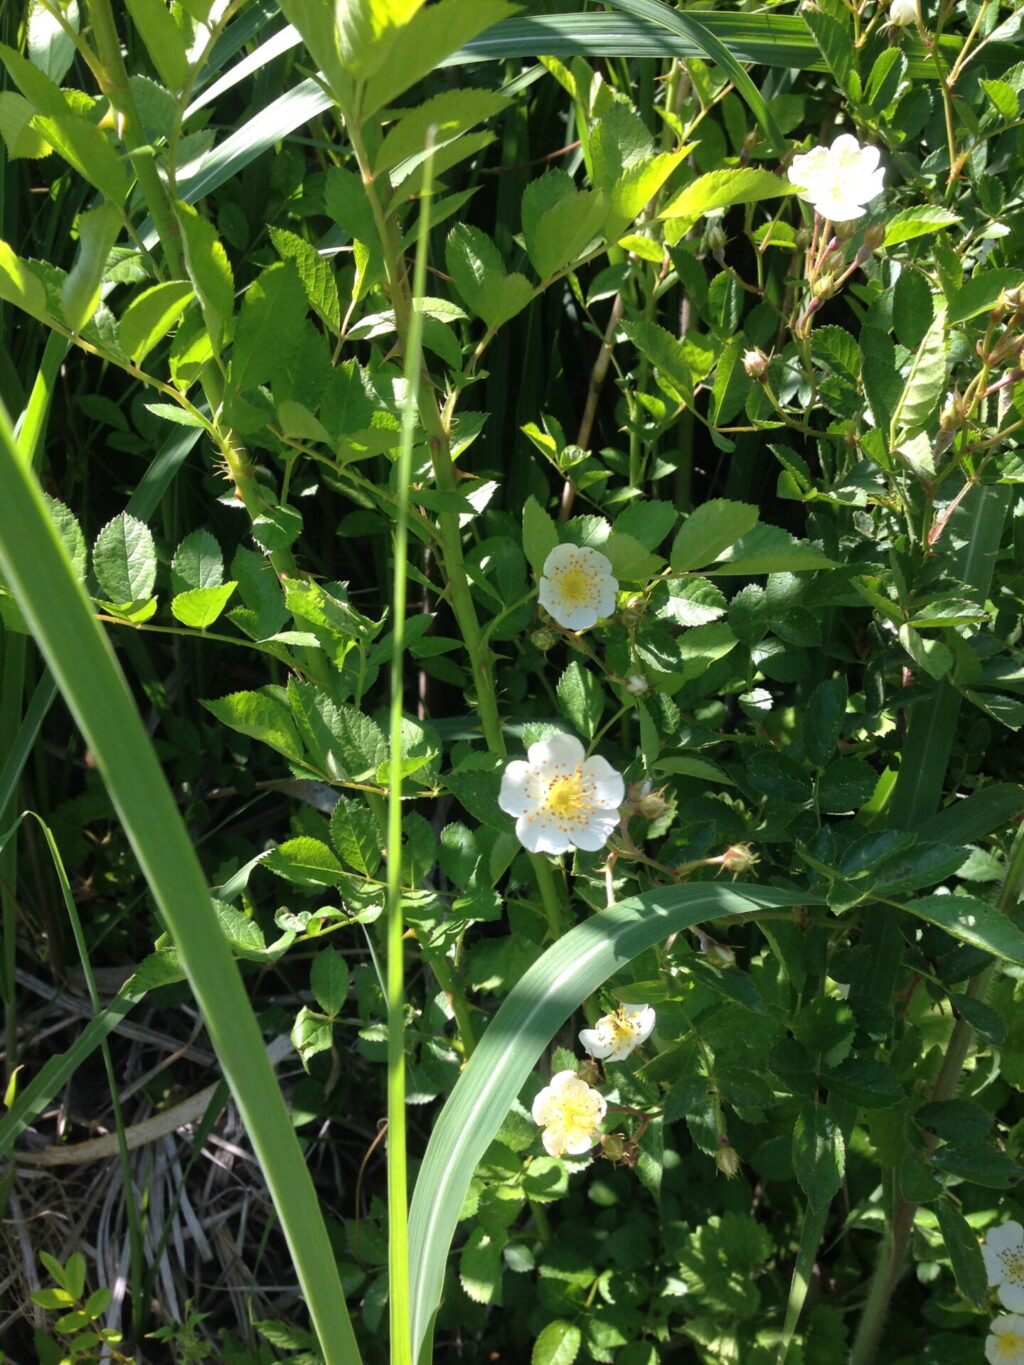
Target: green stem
(398,1191)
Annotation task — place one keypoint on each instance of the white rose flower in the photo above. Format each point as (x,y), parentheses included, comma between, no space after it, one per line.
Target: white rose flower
(561,800)
(903,12)
(1004,1344)
(1003,1252)
(615,1035)
(577,586)
(570,1112)
(838,181)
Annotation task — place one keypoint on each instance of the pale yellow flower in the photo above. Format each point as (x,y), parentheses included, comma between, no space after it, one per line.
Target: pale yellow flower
(1004,1344)
(570,1112)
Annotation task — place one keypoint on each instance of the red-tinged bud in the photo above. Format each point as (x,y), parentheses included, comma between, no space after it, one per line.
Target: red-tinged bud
(755,364)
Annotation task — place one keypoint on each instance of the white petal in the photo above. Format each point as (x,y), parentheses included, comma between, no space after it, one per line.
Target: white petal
(591,1041)
(597,831)
(559,749)
(553,1139)
(539,834)
(642,1019)
(844,145)
(559,558)
(1011,1296)
(580,1145)
(515,798)
(609,788)
(539,1110)
(1007,1235)
(571,615)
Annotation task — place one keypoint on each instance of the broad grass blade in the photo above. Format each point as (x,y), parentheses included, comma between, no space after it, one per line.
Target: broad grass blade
(82,662)
(538,1005)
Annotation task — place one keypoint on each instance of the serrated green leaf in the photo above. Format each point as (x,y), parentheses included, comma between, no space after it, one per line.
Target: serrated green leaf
(917,222)
(356,836)
(865,1083)
(277,528)
(1003,97)
(261,716)
(562,234)
(846,785)
(819,1154)
(669,356)
(926,382)
(328,980)
(582,696)
(723,189)
(270,326)
(70,533)
(197,563)
(930,655)
(769,549)
(422,43)
(98,230)
(85,147)
(709,530)
(974,922)
(982,1163)
(480,1266)
(449,114)
(20,138)
(310,1034)
(964,1252)
(823,720)
(558,1343)
(124,559)
(163,39)
(981,293)
(305,862)
(198,608)
(150,316)
(210,272)
(316,275)
(540,535)
(835,42)
(1008,711)
(636,187)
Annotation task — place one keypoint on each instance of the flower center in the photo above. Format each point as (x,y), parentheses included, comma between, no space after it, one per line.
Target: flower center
(1008,1344)
(576,584)
(620,1028)
(1013,1264)
(568,796)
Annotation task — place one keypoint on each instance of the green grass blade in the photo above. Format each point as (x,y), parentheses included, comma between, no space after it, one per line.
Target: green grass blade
(712,47)
(776,40)
(55,1073)
(87,673)
(977,526)
(538,1005)
(26,736)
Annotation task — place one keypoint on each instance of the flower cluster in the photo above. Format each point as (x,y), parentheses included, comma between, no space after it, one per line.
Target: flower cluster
(570,1111)
(1003,1253)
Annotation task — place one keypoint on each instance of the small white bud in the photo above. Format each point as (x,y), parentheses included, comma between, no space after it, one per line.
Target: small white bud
(903,13)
